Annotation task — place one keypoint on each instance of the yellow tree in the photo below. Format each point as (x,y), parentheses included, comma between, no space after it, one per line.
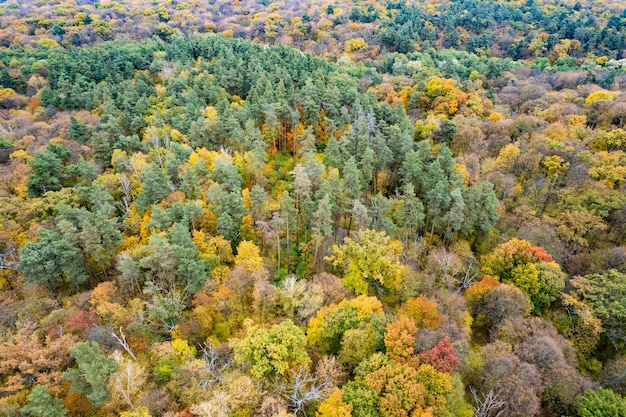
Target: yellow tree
(248,256)
(370,259)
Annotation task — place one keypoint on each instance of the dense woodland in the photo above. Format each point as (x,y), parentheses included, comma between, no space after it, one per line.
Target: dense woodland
(329,209)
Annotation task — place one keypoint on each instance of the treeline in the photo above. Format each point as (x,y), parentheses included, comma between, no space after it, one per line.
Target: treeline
(564,32)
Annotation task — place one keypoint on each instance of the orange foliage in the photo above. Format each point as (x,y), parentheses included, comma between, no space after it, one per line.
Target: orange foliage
(33,103)
(400,338)
(481,287)
(77,404)
(422,311)
(541,254)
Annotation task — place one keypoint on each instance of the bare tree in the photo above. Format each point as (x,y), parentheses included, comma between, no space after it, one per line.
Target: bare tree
(217,406)
(488,405)
(126,191)
(271,230)
(458,272)
(121,339)
(302,388)
(468,277)
(291,293)
(449,264)
(217,360)
(128,381)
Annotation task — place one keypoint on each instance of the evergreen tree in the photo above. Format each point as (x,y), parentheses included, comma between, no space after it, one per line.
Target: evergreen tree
(92,373)
(42,404)
(52,261)
(47,170)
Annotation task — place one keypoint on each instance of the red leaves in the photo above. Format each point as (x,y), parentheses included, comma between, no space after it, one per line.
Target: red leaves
(442,356)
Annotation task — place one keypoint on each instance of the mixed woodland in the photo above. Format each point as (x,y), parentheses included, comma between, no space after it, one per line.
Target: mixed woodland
(313,208)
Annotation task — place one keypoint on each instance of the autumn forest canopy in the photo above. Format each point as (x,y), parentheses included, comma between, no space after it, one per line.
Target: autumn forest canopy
(313,208)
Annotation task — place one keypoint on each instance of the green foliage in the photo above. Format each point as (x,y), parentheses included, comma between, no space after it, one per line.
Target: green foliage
(601,403)
(529,267)
(92,373)
(394,165)
(372,258)
(271,352)
(4,144)
(52,261)
(42,404)
(48,170)
(605,294)
(328,329)
(77,131)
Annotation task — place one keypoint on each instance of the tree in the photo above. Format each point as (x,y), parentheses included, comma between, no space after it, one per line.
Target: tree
(154,186)
(137,412)
(322,224)
(605,294)
(271,352)
(370,259)
(288,213)
(334,406)
(442,356)
(352,179)
(92,372)
(77,131)
(47,170)
(601,403)
(127,382)
(401,389)
(529,267)
(422,311)
(271,230)
(248,256)
(481,210)
(42,404)
(490,303)
(502,374)
(327,329)
(400,338)
(410,215)
(52,261)
(26,360)
(302,388)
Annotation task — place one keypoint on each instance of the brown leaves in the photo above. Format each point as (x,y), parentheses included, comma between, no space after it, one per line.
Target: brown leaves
(27,359)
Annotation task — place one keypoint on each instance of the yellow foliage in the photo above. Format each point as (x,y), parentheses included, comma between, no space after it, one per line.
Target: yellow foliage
(137,412)
(462,170)
(556,131)
(334,406)
(507,156)
(442,96)
(245,194)
(210,112)
(554,165)
(5,92)
(364,305)
(578,119)
(600,95)
(249,257)
(161,90)
(49,43)
(370,257)
(601,60)
(182,348)
(355,44)
(21,156)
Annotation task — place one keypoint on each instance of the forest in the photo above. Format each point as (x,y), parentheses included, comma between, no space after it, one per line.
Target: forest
(313,209)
